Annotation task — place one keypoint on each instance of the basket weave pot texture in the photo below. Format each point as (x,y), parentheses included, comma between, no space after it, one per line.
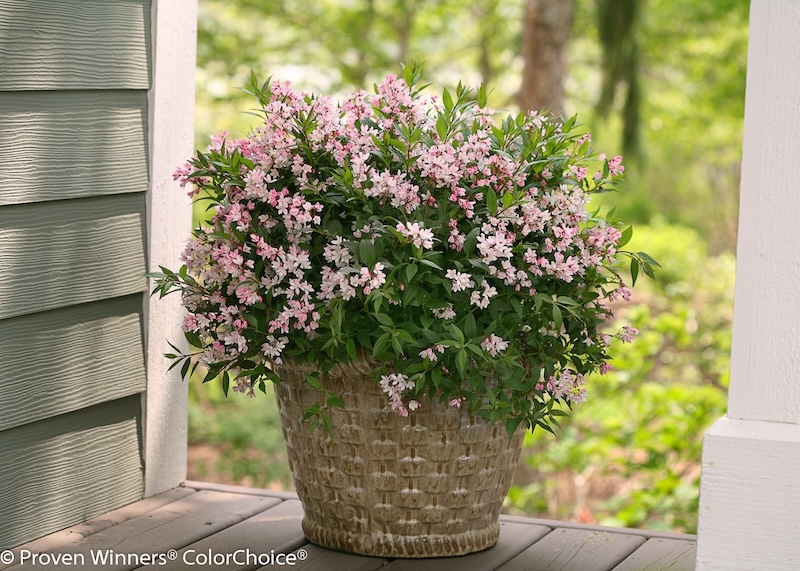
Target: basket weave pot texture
(428,485)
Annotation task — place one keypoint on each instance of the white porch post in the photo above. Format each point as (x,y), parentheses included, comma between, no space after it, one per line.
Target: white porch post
(750,491)
(171,121)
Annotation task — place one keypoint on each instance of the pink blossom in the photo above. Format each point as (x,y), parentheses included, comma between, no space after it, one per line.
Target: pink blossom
(420,237)
(190,323)
(494,247)
(242,385)
(628,333)
(430,352)
(247,295)
(615,166)
(579,172)
(445,312)
(459,280)
(273,348)
(494,345)
(457,402)
(481,298)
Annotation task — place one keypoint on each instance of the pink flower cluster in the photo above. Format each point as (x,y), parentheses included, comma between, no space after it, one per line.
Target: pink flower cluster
(568,386)
(396,386)
(330,207)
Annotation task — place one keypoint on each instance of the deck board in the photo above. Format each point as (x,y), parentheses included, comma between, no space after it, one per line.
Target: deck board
(221,520)
(274,530)
(660,554)
(60,540)
(575,550)
(514,538)
(316,557)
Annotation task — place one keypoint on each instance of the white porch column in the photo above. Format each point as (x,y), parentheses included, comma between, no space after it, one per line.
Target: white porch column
(750,491)
(171,108)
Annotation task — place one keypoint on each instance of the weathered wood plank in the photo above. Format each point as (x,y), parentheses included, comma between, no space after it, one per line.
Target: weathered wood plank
(173,526)
(514,538)
(248,544)
(74,44)
(59,540)
(662,555)
(575,550)
(312,557)
(236,524)
(75,357)
(72,144)
(67,469)
(232,489)
(647,533)
(63,253)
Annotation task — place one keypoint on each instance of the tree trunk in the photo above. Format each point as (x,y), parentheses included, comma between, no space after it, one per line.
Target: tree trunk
(545,34)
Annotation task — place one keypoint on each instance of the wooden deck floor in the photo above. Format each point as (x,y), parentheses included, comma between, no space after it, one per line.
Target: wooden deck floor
(183,527)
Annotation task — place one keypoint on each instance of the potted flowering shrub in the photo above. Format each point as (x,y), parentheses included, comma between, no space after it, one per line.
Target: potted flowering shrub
(421,283)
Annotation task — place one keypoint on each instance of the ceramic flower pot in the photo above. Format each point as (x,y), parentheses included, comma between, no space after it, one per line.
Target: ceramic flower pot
(427,485)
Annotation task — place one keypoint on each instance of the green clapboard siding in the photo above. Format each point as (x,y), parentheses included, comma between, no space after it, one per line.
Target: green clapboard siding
(71,144)
(68,469)
(67,252)
(63,360)
(74,44)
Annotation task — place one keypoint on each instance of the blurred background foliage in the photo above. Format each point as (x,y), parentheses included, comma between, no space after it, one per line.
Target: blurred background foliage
(659,81)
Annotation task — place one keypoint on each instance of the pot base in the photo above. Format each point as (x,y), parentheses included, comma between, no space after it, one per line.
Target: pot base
(402,546)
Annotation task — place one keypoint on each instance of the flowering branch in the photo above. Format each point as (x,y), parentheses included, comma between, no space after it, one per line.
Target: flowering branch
(455,253)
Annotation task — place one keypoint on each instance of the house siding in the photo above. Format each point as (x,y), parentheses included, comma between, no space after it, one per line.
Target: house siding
(72,144)
(74,80)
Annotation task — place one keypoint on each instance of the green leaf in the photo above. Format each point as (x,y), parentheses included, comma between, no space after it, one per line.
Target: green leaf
(634,270)
(397,346)
(410,294)
(558,318)
(367,252)
(411,271)
(436,377)
(313,381)
(185,368)
(626,236)
(380,345)
(516,305)
(461,361)
(491,201)
(471,240)
(456,333)
(482,96)
(384,319)
(350,346)
(470,327)
(427,262)
(447,100)
(405,336)
(475,349)
(193,339)
(333,399)
(441,127)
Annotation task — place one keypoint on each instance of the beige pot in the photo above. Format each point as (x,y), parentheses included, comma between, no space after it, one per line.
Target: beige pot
(428,485)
